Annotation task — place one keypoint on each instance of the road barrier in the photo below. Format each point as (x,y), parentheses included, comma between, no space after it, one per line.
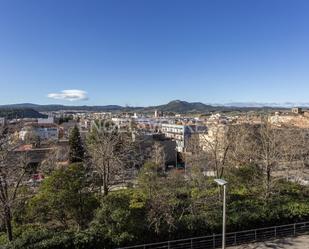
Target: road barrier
(232,239)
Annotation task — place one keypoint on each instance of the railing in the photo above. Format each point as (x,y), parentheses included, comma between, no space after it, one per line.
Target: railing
(235,238)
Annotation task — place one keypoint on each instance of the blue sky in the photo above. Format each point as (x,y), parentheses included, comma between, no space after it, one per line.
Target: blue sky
(144,52)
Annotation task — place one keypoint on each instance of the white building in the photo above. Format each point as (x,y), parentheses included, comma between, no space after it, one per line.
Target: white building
(43,131)
(181,133)
(2,121)
(122,122)
(49,120)
(158,114)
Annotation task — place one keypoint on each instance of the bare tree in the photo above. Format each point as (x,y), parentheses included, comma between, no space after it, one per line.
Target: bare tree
(273,149)
(270,148)
(13,170)
(32,138)
(158,155)
(56,156)
(110,152)
(294,149)
(164,210)
(214,146)
(244,147)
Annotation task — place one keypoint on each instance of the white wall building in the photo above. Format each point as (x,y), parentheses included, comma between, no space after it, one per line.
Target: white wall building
(49,120)
(2,121)
(43,131)
(181,133)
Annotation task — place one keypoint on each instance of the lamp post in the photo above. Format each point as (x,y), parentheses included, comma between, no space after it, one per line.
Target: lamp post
(223,183)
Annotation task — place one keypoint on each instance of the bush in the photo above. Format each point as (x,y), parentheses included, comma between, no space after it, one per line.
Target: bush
(121,220)
(46,239)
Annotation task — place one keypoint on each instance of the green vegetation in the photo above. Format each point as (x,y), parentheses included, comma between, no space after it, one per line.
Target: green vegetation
(11,113)
(64,119)
(76,153)
(84,204)
(65,213)
(64,200)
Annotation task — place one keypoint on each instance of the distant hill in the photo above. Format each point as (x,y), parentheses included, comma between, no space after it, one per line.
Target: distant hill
(179,106)
(46,108)
(183,106)
(11,113)
(176,106)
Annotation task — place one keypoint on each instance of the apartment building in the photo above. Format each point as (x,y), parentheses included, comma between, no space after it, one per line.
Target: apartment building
(43,131)
(181,133)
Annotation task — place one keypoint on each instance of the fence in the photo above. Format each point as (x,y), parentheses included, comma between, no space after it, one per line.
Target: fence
(235,238)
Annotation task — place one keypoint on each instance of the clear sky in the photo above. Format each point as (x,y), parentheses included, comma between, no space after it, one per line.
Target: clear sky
(143,52)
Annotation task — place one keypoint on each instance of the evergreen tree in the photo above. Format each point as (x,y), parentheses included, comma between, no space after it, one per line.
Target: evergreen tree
(66,198)
(76,146)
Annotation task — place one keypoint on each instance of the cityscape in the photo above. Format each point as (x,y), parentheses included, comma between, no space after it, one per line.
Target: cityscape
(154,124)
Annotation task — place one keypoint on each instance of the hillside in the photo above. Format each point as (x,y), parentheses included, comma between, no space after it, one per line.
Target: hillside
(11,113)
(176,106)
(183,106)
(179,106)
(46,108)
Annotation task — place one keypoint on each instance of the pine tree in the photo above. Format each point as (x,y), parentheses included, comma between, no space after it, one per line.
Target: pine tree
(77,151)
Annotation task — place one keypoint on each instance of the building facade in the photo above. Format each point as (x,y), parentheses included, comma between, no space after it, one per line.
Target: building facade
(43,131)
(181,134)
(2,121)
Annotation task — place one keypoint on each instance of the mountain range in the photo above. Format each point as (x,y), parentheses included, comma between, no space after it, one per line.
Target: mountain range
(176,106)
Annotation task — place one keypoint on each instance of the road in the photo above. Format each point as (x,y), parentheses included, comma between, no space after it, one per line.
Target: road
(301,242)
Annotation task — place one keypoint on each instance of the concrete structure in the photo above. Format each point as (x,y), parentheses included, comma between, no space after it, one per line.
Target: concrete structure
(43,131)
(37,155)
(181,133)
(122,122)
(158,114)
(217,119)
(66,127)
(49,120)
(2,121)
(297,110)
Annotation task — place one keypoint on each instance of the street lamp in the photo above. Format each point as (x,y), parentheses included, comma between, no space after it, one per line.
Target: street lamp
(223,183)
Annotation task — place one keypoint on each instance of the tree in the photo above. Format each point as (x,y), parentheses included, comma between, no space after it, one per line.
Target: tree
(149,178)
(197,157)
(32,138)
(111,154)
(65,199)
(294,149)
(158,155)
(273,149)
(244,148)
(211,148)
(13,169)
(164,197)
(269,154)
(76,153)
(56,155)
(119,220)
